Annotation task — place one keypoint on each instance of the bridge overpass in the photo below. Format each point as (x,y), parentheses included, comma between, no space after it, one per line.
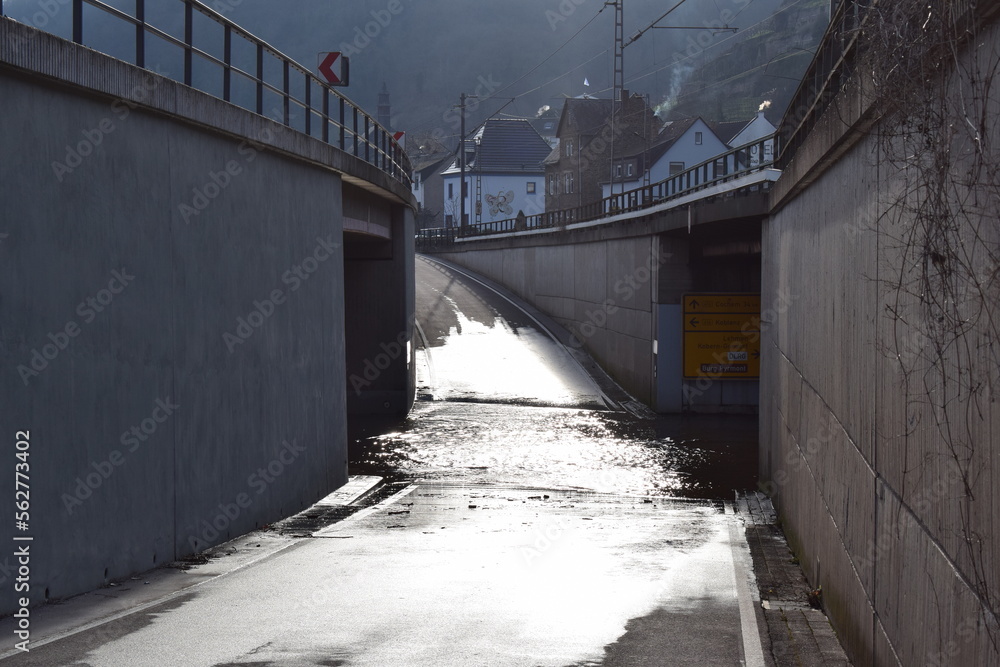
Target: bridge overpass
(207,279)
(616,273)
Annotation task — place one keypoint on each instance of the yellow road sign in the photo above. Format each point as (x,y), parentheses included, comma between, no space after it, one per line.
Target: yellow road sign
(744,322)
(721,354)
(722,336)
(722,303)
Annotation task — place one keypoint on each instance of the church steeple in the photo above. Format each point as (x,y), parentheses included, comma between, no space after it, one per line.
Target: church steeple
(384,108)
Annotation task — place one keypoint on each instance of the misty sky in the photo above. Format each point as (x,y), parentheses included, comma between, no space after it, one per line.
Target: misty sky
(430,51)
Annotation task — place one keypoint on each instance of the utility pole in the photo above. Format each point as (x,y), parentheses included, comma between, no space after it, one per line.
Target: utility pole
(461,157)
(619,81)
(461,163)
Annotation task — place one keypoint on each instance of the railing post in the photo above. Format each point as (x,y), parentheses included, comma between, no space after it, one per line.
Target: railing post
(260,79)
(343,127)
(188,42)
(140,33)
(308,105)
(357,147)
(78,21)
(326,113)
(286,87)
(368,144)
(227,57)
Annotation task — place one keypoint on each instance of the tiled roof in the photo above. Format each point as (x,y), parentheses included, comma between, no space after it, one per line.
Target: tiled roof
(586,115)
(426,166)
(671,132)
(727,130)
(507,146)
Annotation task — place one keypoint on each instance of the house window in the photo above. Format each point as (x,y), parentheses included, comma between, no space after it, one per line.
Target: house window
(451,190)
(618,170)
(552,185)
(628,169)
(698,138)
(449,220)
(676,168)
(531,187)
(569,182)
(569,148)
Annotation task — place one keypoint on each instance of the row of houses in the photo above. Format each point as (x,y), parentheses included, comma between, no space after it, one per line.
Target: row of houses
(512,167)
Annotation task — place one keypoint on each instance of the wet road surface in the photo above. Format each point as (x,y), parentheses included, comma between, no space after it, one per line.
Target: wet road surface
(529,524)
(499,401)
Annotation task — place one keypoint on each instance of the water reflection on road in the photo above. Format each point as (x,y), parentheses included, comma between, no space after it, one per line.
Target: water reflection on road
(502,403)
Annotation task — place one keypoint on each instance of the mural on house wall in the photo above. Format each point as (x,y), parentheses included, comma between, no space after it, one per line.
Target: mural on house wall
(501,203)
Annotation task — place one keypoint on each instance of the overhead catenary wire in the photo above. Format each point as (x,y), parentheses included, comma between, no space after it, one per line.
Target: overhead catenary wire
(710,46)
(534,69)
(547,58)
(641,74)
(653,24)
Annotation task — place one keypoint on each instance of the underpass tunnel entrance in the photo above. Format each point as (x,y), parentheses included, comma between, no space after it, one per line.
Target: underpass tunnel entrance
(708,319)
(379,305)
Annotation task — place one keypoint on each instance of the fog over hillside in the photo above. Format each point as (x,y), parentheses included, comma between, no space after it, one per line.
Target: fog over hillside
(428,52)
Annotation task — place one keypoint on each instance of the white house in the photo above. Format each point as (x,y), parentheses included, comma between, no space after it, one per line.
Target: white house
(504,166)
(756,129)
(680,145)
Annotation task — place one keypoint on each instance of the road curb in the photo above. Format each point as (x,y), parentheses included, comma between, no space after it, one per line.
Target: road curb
(797,632)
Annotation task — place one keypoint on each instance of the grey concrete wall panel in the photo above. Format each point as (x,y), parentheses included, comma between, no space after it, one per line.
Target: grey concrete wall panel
(603,286)
(874,500)
(171,312)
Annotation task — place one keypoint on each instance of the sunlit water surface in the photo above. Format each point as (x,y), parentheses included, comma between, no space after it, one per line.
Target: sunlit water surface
(499,404)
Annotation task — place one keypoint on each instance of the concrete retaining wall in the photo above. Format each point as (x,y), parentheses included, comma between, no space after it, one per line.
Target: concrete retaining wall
(172,315)
(603,292)
(870,486)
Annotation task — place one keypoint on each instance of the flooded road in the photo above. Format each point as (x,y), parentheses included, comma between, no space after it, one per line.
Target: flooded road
(526,521)
(501,402)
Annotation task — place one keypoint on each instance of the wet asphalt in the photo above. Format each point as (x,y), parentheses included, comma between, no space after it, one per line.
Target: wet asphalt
(524,520)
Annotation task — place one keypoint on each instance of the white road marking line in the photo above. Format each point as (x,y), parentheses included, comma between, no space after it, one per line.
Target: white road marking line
(753,651)
(368,511)
(357,486)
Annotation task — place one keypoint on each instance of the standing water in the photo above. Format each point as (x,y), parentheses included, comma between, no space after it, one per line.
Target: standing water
(502,403)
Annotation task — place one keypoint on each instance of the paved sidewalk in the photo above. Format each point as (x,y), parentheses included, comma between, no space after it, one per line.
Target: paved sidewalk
(800,634)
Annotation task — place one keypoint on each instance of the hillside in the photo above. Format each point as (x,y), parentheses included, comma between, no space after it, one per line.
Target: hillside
(763,64)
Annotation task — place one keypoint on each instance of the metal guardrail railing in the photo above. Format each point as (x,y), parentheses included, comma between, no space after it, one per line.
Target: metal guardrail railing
(825,76)
(841,52)
(329,115)
(725,168)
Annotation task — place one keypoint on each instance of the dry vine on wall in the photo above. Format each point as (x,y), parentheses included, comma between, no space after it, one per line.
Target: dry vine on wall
(933,67)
